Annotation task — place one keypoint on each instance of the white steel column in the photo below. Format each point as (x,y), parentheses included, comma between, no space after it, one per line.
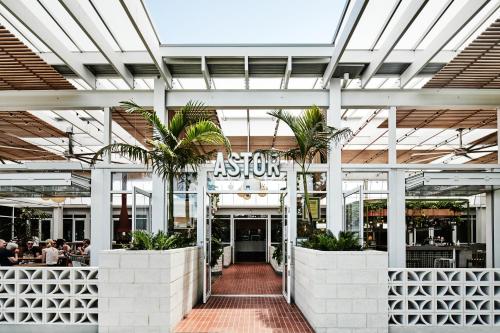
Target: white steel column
(396,220)
(202,199)
(489,221)
(392,150)
(57,223)
(100,213)
(334,193)
(158,200)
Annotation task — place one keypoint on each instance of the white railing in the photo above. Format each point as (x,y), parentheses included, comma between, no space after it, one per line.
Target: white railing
(48,295)
(444,297)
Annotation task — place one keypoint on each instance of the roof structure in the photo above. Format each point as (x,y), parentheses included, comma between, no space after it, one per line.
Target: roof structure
(384,47)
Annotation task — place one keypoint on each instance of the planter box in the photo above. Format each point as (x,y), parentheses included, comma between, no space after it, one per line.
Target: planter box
(342,291)
(227,256)
(277,268)
(217,269)
(147,291)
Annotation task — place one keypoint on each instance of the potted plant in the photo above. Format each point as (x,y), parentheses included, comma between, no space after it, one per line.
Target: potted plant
(313,138)
(175,147)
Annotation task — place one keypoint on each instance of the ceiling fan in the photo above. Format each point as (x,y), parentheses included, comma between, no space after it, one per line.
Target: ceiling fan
(69,152)
(461,151)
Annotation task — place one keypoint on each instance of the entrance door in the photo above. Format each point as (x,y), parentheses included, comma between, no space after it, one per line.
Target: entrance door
(287,251)
(353,212)
(141,210)
(207,248)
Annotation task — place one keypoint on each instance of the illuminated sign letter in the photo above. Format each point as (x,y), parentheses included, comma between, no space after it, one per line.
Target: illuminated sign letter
(273,166)
(220,168)
(233,163)
(259,165)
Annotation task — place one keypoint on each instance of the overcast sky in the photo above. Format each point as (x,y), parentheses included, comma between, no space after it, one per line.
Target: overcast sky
(239,21)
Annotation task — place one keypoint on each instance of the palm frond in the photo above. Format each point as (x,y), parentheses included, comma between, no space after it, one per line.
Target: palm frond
(159,128)
(130,151)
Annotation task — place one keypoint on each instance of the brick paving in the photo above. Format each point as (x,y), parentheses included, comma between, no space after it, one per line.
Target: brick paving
(248,279)
(226,314)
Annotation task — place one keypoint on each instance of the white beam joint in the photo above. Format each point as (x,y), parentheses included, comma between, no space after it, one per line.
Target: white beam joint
(288,73)
(206,73)
(454,26)
(342,41)
(413,9)
(80,11)
(335,197)
(139,18)
(247,75)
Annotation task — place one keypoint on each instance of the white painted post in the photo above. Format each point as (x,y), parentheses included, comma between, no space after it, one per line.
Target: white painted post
(396,220)
(107,132)
(334,194)
(392,149)
(489,218)
(57,223)
(100,212)
(158,200)
(200,206)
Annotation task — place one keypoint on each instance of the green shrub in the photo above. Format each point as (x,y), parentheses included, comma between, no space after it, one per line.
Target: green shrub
(215,251)
(326,241)
(144,240)
(278,253)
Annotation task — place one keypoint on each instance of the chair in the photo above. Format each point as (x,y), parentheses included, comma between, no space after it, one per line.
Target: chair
(444,263)
(478,260)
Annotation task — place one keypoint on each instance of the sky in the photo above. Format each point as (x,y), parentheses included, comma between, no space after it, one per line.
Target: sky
(245,22)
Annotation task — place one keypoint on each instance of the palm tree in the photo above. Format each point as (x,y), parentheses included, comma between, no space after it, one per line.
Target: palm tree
(313,137)
(175,147)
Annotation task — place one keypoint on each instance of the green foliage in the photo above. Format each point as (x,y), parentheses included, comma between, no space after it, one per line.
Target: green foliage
(278,253)
(453,205)
(143,240)
(22,224)
(175,146)
(313,137)
(216,250)
(326,241)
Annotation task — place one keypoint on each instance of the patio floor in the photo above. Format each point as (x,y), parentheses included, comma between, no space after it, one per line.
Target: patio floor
(227,314)
(248,279)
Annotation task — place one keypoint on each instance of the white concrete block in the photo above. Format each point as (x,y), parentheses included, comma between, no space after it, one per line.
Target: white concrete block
(109,289)
(134,260)
(147,276)
(351,320)
(365,276)
(121,304)
(377,320)
(351,291)
(350,261)
(340,276)
(339,305)
(109,318)
(159,261)
(121,275)
(109,260)
(133,319)
(377,261)
(365,306)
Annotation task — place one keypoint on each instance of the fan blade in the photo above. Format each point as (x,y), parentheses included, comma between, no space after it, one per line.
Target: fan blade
(426,159)
(430,153)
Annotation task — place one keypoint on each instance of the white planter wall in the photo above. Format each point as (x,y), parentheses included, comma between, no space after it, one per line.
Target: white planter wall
(147,291)
(342,291)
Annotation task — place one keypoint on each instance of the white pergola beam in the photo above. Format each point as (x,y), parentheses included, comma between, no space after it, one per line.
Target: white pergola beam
(404,22)
(343,39)
(24,12)
(247,74)
(288,73)
(139,18)
(454,26)
(252,99)
(79,12)
(206,73)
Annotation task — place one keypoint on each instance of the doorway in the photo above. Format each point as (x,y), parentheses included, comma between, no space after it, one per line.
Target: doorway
(250,239)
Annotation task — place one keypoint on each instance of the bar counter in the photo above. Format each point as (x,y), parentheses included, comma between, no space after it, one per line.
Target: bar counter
(423,256)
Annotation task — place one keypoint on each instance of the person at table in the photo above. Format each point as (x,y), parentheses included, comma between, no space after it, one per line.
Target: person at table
(50,254)
(7,256)
(85,248)
(31,250)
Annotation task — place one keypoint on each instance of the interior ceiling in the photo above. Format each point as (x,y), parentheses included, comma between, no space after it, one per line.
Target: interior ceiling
(22,69)
(445,118)
(477,66)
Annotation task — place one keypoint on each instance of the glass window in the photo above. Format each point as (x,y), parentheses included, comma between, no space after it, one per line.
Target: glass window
(316,181)
(79,229)
(185,210)
(45,231)
(122,219)
(5,228)
(221,228)
(126,181)
(68,228)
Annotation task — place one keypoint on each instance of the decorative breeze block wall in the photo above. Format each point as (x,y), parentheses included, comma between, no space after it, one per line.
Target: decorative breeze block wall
(444,297)
(342,291)
(48,295)
(147,291)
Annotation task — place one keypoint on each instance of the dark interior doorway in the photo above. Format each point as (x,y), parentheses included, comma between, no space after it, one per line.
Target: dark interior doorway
(250,240)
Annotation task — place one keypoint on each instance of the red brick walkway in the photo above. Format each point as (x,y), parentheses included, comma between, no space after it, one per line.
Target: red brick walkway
(248,279)
(224,314)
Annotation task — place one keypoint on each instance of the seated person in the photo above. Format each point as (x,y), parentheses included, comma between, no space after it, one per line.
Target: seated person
(85,248)
(8,255)
(61,245)
(31,250)
(50,254)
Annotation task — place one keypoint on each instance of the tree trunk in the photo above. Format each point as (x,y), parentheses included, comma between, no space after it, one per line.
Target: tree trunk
(306,199)
(170,203)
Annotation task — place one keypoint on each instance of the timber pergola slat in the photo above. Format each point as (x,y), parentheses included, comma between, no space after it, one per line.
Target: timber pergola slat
(22,69)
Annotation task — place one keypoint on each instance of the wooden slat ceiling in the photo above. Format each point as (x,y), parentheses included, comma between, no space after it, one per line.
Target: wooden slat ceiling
(367,156)
(445,118)
(16,125)
(477,66)
(239,143)
(22,69)
(490,158)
